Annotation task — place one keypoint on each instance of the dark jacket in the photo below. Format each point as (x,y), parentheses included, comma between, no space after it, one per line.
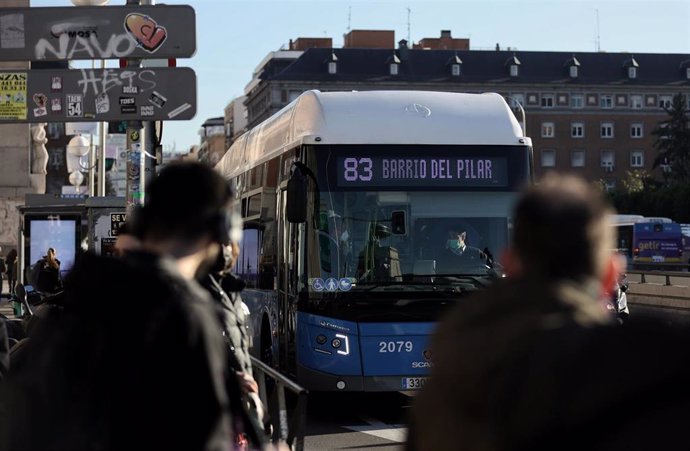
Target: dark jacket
(45,277)
(226,292)
(134,359)
(528,364)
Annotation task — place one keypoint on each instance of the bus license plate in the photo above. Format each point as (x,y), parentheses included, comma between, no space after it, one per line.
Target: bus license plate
(658,258)
(413,383)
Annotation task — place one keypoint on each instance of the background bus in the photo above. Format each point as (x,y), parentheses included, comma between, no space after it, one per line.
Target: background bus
(650,242)
(345,293)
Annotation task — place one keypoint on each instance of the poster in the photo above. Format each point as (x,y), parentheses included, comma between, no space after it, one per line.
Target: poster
(13,95)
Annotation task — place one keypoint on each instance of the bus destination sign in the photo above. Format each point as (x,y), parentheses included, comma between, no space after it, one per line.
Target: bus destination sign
(453,172)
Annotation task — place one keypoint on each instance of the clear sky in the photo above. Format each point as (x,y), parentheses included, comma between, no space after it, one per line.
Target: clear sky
(233,36)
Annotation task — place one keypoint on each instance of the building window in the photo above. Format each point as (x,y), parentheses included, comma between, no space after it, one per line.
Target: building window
(513,70)
(547,100)
(455,69)
(632,72)
(577,130)
(636,131)
(577,158)
(548,158)
(332,67)
(607,160)
(577,101)
(651,100)
(607,129)
(665,101)
(637,159)
(592,99)
(547,130)
(687,73)
(394,69)
(606,101)
(610,185)
(532,99)
(636,102)
(573,71)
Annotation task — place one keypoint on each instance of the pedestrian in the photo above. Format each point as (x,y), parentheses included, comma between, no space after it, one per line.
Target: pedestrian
(134,358)
(233,314)
(11,265)
(535,361)
(46,273)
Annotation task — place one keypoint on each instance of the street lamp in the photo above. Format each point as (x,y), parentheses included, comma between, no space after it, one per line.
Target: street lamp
(75,178)
(78,146)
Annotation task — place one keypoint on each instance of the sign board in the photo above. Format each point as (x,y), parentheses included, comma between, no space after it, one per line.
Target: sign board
(117,220)
(93,32)
(95,95)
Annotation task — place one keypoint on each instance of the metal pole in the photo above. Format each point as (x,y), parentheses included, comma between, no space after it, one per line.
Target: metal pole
(101,151)
(92,167)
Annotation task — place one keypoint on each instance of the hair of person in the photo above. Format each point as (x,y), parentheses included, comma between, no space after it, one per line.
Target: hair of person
(186,201)
(561,228)
(52,261)
(12,255)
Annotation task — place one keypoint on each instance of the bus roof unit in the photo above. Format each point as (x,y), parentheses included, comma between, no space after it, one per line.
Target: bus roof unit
(378,117)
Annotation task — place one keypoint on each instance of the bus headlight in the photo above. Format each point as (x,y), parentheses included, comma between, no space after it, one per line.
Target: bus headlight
(345,341)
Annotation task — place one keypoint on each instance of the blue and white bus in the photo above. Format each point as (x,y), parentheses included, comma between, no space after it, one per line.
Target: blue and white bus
(354,205)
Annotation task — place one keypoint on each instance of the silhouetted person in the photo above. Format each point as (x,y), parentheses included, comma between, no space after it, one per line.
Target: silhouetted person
(46,273)
(11,265)
(536,362)
(135,359)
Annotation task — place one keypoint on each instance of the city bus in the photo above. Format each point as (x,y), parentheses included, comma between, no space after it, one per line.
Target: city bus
(351,202)
(658,244)
(649,242)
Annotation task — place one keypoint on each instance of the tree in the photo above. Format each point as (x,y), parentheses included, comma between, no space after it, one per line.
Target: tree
(673,142)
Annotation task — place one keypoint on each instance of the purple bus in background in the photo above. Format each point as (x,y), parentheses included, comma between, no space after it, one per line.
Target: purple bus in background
(657,242)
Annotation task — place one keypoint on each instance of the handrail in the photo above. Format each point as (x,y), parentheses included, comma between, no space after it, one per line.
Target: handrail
(289,430)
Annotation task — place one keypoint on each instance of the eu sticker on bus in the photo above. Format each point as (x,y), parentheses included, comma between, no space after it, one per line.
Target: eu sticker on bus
(413,383)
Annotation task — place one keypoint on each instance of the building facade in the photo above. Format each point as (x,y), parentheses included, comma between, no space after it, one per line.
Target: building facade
(587,113)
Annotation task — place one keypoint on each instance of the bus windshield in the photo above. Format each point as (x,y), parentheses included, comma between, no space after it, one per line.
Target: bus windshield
(412,214)
(381,237)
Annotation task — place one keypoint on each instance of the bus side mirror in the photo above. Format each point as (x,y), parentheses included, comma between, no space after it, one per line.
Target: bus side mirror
(297,199)
(398,223)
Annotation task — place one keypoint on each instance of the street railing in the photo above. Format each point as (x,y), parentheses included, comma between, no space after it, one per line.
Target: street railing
(288,429)
(667,275)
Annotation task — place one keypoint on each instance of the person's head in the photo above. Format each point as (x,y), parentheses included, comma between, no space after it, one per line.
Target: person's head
(456,239)
(12,255)
(561,231)
(51,257)
(186,214)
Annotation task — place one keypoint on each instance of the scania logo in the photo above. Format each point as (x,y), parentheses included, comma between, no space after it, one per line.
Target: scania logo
(422,364)
(427,355)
